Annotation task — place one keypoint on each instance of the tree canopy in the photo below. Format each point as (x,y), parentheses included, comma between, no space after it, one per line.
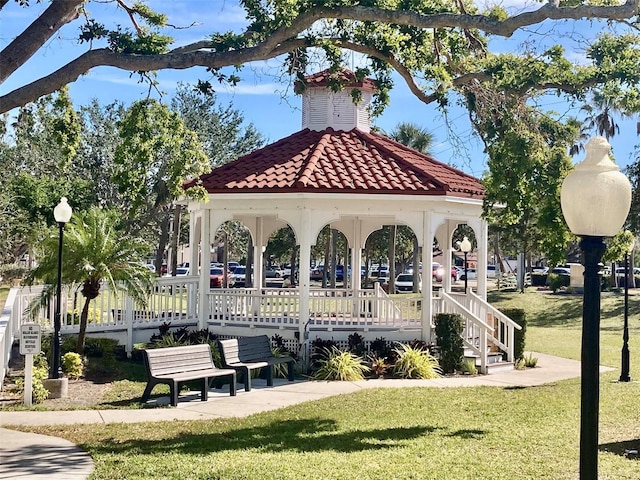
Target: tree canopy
(435,45)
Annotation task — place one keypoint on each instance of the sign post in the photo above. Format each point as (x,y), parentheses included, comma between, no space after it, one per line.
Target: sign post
(30,345)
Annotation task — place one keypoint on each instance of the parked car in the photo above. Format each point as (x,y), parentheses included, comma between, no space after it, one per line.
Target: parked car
(274,277)
(561,271)
(404,283)
(340,272)
(471,274)
(239,276)
(151,267)
(437,272)
(317,273)
(493,271)
(182,271)
(217,276)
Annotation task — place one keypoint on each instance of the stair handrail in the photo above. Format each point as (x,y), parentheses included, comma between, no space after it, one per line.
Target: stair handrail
(511,326)
(485,328)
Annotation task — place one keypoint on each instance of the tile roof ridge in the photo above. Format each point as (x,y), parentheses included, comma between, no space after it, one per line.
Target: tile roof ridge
(313,158)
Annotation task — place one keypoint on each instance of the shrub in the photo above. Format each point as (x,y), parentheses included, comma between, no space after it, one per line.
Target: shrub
(72,365)
(468,365)
(530,361)
(379,366)
(380,348)
(318,347)
(415,363)
(449,340)
(555,281)
(356,344)
(519,316)
(40,372)
(335,364)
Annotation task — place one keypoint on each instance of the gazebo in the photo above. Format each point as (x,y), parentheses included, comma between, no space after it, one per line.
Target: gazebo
(335,171)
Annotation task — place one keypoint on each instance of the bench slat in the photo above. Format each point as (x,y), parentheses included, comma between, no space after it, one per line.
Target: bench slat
(251,353)
(174,365)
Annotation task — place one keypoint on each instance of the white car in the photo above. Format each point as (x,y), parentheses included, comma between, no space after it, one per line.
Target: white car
(239,276)
(471,274)
(404,283)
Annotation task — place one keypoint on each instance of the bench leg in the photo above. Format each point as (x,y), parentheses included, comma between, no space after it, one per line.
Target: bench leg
(232,385)
(147,391)
(174,389)
(204,390)
(290,366)
(269,375)
(247,379)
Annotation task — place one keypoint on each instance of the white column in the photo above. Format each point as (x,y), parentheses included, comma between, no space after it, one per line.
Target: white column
(194,242)
(427,278)
(205,261)
(258,254)
(482,235)
(304,286)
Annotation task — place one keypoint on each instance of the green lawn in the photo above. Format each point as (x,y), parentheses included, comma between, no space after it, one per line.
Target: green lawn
(417,433)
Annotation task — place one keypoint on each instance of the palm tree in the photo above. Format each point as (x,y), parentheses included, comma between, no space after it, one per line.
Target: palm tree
(413,136)
(94,251)
(421,140)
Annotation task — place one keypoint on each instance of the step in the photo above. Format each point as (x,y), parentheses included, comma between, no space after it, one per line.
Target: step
(492,357)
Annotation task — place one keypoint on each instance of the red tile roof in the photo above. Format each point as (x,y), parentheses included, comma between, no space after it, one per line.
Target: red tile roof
(332,161)
(347,77)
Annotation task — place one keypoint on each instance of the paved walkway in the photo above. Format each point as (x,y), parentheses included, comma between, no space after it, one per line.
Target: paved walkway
(32,456)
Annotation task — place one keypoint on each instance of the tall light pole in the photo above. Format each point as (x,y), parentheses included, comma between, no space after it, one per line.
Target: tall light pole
(595,199)
(624,369)
(465,247)
(62,214)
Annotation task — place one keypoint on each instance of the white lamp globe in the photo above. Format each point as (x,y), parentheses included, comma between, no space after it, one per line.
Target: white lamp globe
(595,195)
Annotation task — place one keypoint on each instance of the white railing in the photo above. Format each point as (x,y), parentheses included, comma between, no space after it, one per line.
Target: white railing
(503,328)
(9,327)
(475,332)
(483,326)
(328,308)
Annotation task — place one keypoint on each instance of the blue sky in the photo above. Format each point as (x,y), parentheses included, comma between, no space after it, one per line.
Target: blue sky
(263,99)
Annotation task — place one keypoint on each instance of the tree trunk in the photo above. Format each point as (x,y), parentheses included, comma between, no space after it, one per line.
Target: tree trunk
(327,251)
(248,275)
(416,265)
(392,258)
(84,319)
(292,262)
(162,244)
(334,257)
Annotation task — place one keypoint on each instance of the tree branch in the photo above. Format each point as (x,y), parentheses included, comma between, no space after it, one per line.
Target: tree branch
(22,48)
(279,41)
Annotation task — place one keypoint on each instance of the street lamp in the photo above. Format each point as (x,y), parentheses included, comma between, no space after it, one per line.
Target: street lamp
(465,246)
(624,370)
(62,214)
(595,199)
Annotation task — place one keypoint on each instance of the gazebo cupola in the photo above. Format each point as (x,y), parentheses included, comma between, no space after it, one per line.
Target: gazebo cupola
(324,108)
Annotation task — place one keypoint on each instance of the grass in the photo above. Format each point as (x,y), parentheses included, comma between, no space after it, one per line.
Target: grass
(414,433)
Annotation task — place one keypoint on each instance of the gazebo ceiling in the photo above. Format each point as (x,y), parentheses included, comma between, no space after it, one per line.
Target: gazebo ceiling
(330,161)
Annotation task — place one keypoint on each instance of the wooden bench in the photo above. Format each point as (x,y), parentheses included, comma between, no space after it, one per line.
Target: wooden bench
(175,365)
(251,353)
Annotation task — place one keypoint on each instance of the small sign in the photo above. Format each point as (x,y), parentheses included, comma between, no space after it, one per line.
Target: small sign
(30,339)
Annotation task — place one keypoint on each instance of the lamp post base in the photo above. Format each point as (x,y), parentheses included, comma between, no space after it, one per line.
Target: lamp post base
(57,387)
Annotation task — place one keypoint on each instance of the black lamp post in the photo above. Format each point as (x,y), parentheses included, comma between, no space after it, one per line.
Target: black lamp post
(595,200)
(62,214)
(465,246)
(624,370)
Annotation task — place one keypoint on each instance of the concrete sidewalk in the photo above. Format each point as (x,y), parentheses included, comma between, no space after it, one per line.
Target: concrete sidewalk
(25,455)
